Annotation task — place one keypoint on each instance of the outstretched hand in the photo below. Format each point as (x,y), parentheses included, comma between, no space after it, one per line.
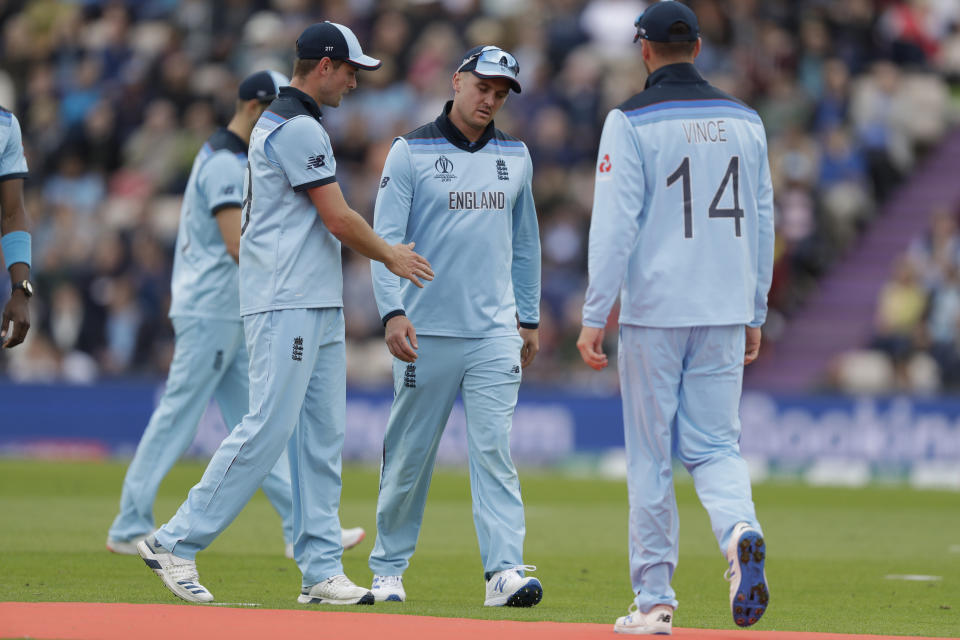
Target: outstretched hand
(404,262)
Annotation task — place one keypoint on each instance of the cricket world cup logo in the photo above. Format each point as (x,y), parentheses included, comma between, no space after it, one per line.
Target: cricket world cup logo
(444,167)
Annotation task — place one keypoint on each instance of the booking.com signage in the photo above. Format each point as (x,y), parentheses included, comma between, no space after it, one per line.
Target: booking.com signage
(550,425)
(881,431)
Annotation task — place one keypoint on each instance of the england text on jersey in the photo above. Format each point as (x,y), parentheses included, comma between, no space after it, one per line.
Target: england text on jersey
(477,200)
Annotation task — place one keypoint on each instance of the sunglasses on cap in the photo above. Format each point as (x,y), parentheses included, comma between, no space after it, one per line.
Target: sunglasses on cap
(493,62)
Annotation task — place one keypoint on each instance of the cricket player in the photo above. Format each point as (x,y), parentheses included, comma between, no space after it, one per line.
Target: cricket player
(294,218)
(14,236)
(209,358)
(461,190)
(682,230)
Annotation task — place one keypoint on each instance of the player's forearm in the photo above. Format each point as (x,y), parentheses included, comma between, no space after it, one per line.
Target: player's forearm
(19,271)
(526,288)
(608,255)
(352,230)
(13,218)
(764,271)
(525,271)
(13,215)
(15,222)
(386,289)
(765,248)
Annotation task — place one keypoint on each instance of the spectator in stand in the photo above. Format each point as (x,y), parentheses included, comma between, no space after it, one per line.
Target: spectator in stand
(938,251)
(900,310)
(943,326)
(844,185)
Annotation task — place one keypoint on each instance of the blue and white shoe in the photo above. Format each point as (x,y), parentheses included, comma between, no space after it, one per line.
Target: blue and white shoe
(657,621)
(335,590)
(388,589)
(510,588)
(749,594)
(178,575)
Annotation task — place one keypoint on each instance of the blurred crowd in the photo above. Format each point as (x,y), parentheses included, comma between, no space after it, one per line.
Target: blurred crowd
(916,341)
(115,98)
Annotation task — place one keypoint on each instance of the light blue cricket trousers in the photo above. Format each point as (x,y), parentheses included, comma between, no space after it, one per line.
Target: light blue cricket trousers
(297,396)
(487,373)
(209,359)
(681,395)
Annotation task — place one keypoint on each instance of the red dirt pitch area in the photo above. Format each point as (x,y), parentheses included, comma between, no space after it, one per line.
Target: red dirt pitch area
(94,621)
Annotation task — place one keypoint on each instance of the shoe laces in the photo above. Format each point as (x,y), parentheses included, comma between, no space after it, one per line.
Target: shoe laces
(180,572)
(728,572)
(340,581)
(388,581)
(522,567)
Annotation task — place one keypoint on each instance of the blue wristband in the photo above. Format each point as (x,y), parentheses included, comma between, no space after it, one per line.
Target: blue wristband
(16,248)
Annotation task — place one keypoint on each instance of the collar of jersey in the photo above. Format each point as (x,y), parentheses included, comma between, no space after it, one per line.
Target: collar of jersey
(309,103)
(223,138)
(457,139)
(680,72)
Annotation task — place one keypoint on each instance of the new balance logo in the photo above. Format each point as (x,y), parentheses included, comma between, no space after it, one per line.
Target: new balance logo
(502,169)
(218,360)
(315,162)
(410,377)
(515,369)
(501,583)
(663,617)
(384,182)
(227,190)
(298,349)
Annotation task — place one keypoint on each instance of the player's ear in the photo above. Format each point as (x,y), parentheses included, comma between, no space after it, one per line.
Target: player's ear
(456,82)
(696,48)
(324,66)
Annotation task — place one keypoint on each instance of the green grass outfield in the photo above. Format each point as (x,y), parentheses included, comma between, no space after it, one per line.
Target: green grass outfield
(829,551)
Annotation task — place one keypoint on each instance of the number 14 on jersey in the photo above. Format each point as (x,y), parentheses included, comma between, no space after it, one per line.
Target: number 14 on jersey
(733,172)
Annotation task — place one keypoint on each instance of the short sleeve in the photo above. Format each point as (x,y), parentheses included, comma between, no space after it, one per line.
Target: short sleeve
(13,164)
(221,181)
(302,149)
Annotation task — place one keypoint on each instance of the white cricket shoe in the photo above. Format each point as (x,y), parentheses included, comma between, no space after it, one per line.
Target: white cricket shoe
(657,621)
(336,590)
(179,575)
(749,594)
(388,589)
(509,587)
(125,547)
(349,538)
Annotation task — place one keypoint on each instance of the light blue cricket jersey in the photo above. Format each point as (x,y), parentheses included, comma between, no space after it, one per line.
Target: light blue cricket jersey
(13,164)
(288,258)
(682,223)
(469,208)
(204,283)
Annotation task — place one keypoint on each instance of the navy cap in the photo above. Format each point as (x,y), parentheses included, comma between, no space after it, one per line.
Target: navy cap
(492,62)
(654,23)
(262,86)
(334,41)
